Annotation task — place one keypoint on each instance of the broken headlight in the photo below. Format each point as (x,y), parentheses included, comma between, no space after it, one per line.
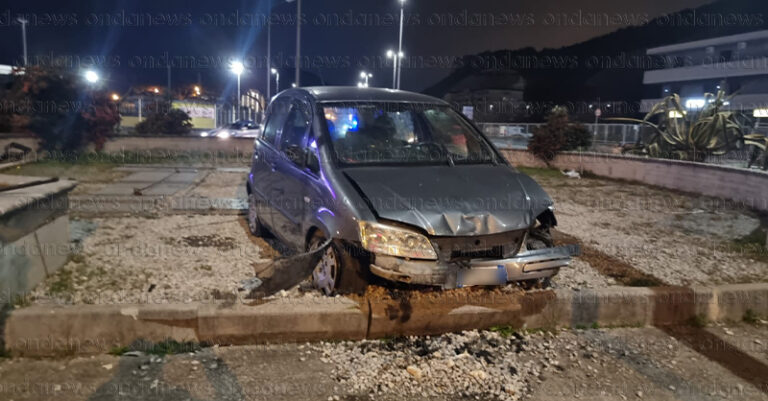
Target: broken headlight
(395,241)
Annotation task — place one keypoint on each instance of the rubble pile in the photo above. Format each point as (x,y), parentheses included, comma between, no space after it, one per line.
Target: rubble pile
(483,364)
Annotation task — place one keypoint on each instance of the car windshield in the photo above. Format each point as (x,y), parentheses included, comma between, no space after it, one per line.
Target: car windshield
(403,133)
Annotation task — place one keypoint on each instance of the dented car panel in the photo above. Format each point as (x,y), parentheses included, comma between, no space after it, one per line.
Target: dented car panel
(452,201)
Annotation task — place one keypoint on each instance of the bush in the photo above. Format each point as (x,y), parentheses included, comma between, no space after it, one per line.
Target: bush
(170,122)
(577,136)
(63,113)
(59,123)
(101,117)
(557,135)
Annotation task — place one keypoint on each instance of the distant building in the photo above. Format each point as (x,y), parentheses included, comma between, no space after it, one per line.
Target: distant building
(736,63)
(493,97)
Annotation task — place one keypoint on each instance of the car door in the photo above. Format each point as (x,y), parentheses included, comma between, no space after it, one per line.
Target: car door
(290,190)
(264,163)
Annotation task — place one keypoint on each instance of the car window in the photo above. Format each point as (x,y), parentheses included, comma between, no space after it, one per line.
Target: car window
(296,127)
(275,121)
(401,133)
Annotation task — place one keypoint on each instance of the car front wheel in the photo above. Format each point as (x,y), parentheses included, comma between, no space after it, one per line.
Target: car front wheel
(338,272)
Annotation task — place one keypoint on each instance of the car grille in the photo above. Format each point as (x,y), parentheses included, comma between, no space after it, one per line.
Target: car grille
(491,246)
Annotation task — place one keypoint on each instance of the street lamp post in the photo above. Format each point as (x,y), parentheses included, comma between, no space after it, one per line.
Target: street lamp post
(238,68)
(396,57)
(400,47)
(269,49)
(276,73)
(23,23)
(298,41)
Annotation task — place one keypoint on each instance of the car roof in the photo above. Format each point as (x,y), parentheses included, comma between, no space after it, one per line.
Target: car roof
(357,94)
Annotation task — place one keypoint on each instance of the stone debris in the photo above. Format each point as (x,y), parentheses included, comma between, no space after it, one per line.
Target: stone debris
(474,364)
(414,371)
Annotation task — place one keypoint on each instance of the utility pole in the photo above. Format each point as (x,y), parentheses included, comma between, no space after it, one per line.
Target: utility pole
(269,50)
(24,38)
(298,42)
(169,76)
(400,47)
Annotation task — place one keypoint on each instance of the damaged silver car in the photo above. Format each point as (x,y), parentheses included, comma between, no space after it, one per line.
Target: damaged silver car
(404,187)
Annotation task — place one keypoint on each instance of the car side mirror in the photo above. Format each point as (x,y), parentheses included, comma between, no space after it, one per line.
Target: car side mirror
(312,162)
(295,154)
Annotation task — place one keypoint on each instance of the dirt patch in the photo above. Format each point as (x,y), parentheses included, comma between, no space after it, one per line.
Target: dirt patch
(608,265)
(220,185)
(215,241)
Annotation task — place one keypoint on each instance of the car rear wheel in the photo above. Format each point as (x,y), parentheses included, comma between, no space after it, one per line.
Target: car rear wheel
(254,225)
(338,272)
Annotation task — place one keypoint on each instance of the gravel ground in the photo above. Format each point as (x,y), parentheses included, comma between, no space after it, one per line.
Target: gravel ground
(166,259)
(470,364)
(581,275)
(680,239)
(591,364)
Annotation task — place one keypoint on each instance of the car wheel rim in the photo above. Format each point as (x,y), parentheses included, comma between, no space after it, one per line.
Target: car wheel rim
(252,218)
(324,275)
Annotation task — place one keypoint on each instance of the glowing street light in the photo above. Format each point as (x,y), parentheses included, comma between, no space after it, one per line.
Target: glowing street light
(237,68)
(91,76)
(115,97)
(156,90)
(365,75)
(197,90)
(276,73)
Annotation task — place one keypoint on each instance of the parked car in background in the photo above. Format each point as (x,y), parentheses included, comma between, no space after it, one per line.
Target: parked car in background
(406,188)
(239,129)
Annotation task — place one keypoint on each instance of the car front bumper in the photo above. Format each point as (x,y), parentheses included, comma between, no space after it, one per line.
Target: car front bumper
(528,265)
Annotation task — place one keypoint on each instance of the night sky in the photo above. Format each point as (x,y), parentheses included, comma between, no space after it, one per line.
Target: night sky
(340,37)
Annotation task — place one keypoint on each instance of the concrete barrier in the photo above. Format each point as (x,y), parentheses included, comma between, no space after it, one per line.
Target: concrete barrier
(180,145)
(34,232)
(739,186)
(50,330)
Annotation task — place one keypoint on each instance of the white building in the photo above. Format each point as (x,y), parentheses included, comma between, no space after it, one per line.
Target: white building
(736,63)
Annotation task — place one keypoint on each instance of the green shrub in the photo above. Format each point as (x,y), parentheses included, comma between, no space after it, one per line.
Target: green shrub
(167,122)
(558,135)
(57,107)
(577,137)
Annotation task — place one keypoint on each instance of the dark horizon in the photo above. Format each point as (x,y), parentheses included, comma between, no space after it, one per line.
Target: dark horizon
(129,42)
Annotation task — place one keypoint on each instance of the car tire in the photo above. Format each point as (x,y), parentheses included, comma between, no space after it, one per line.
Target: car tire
(350,273)
(254,224)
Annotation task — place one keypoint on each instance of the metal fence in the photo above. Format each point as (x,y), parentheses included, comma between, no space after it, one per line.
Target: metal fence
(518,134)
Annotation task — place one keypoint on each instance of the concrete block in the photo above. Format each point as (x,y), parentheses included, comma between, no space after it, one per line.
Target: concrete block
(50,330)
(283,320)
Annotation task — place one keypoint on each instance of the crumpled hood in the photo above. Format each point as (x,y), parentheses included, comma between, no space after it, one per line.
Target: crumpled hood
(453,201)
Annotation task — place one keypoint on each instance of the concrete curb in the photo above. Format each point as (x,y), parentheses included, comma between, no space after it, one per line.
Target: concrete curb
(50,330)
